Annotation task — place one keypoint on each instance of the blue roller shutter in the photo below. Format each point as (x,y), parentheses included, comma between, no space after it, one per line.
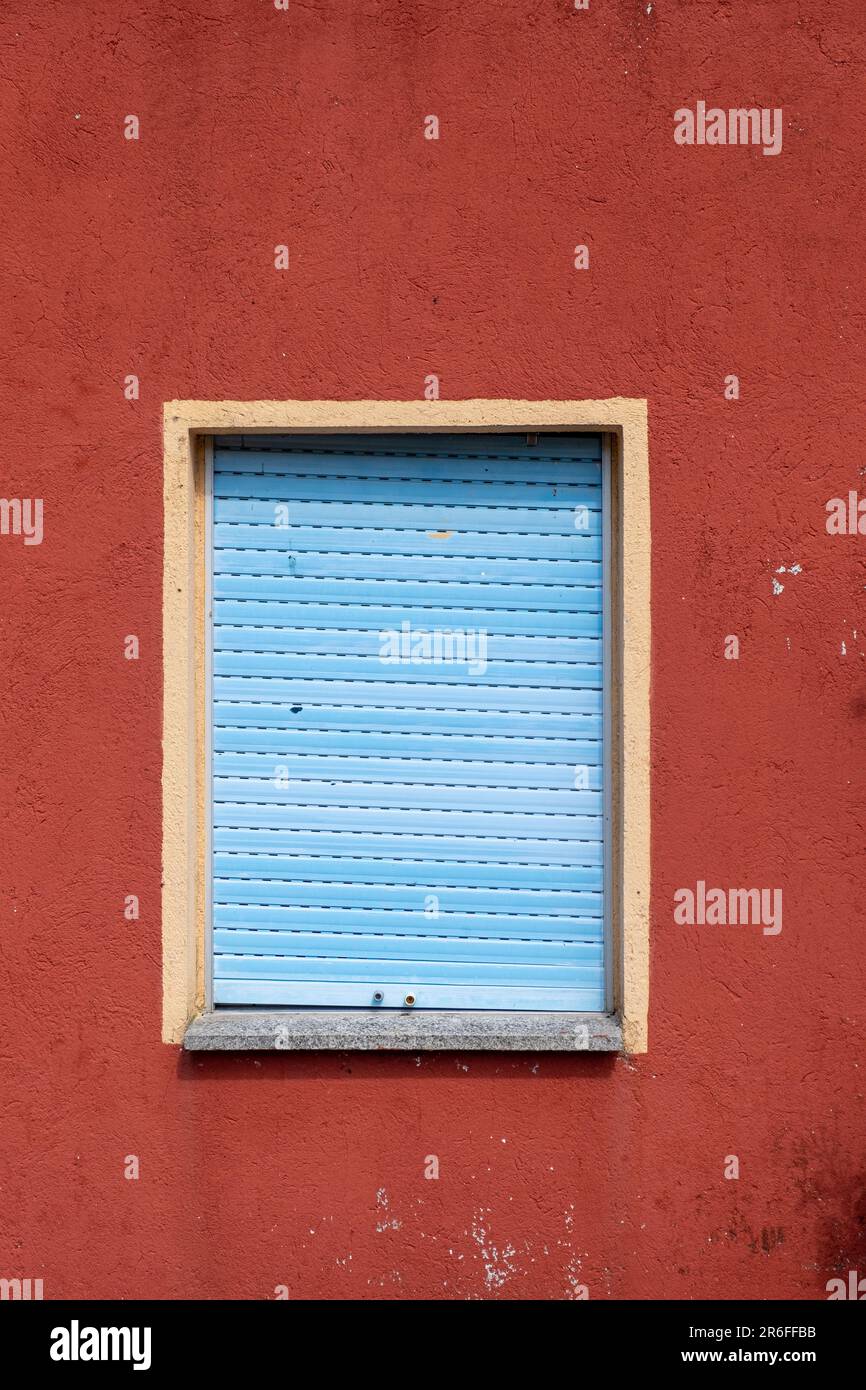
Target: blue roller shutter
(407,719)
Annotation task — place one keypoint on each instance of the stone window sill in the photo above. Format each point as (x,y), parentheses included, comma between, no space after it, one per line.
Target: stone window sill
(427,1030)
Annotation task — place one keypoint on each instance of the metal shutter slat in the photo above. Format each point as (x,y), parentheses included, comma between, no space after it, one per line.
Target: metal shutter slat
(426,515)
(555,776)
(386,874)
(474,849)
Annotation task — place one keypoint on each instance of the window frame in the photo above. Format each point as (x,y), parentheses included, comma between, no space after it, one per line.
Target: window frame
(189,1015)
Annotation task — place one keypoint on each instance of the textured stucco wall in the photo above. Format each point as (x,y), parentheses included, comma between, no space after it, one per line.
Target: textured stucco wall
(455,257)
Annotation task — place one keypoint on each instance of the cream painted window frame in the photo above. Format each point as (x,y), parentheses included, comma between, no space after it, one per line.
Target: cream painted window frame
(187,425)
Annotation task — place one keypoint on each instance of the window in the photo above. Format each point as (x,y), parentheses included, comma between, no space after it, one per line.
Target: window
(408,751)
(406,725)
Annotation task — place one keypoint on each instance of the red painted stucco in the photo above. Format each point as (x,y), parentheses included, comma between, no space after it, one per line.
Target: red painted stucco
(455,257)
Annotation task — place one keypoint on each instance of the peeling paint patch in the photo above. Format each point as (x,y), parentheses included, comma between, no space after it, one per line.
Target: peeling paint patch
(387,1221)
(785,569)
(498,1265)
(577,1291)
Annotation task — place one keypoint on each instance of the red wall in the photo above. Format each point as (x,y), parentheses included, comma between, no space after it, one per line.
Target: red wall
(410,257)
